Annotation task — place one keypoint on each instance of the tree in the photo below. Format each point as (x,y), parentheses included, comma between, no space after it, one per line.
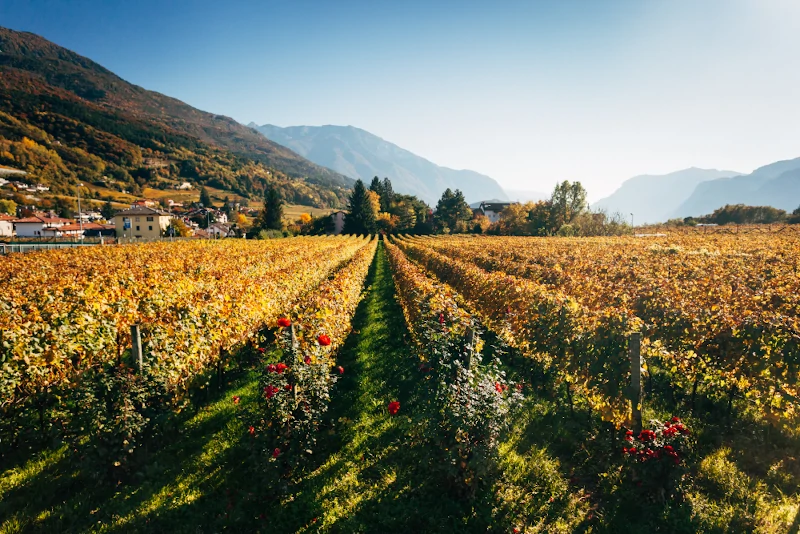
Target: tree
(362,217)
(271,217)
(567,201)
(63,208)
(205,198)
(376,186)
(794,218)
(539,218)
(451,209)
(387,195)
(8,206)
(108,211)
(243,222)
(178,228)
(407,218)
(515,219)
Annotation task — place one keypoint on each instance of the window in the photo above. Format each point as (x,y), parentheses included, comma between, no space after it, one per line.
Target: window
(137,227)
(150,219)
(150,227)
(137,219)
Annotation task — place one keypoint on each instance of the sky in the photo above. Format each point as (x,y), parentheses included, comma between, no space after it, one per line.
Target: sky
(529,92)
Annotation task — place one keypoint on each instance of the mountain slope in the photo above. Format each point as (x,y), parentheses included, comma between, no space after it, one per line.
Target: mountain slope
(360,154)
(80,119)
(776,184)
(654,198)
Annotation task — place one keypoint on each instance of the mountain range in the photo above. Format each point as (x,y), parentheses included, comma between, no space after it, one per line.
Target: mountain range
(655,198)
(359,154)
(776,185)
(64,118)
(696,192)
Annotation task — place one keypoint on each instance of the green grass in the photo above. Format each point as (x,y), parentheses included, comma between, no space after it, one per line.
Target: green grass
(375,473)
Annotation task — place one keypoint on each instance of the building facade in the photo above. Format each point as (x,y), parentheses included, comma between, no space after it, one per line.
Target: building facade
(38,226)
(140,222)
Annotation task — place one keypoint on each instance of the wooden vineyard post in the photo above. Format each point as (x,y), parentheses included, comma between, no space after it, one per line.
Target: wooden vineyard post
(469,336)
(136,347)
(635,352)
(220,366)
(296,358)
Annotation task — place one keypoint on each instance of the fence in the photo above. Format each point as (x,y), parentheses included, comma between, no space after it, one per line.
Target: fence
(8,248)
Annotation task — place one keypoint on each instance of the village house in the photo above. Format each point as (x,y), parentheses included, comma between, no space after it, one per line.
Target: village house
(141,223)
(219,230)
(7,226)
(492,210)
(94,229)
(146,202)
(39,226)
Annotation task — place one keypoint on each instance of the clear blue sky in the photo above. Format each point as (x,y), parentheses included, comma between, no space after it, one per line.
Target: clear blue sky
(527,92)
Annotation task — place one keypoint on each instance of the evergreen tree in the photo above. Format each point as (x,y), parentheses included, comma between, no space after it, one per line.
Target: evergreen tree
(451,209)
(271,217)
(107,211)
(205,198)
(377,187)
(387,195)
(362,218)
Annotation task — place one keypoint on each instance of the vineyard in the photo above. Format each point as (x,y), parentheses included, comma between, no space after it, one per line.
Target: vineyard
(426,384)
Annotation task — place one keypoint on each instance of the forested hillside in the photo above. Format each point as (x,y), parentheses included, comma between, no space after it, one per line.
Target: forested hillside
(65,119)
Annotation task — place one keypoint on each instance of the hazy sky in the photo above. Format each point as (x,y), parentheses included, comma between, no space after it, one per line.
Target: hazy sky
(526,92)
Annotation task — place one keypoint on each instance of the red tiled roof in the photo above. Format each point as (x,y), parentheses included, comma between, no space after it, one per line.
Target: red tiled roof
(46,220)
(86,226)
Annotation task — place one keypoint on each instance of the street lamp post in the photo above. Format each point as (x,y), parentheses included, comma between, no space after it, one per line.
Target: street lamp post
(633,231)
(80,217)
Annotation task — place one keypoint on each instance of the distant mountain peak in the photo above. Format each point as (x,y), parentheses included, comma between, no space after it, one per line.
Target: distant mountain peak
(358,153)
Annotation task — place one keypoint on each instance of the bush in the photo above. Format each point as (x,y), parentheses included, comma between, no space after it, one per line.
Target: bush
(566,230)
(271,234)
(295,393)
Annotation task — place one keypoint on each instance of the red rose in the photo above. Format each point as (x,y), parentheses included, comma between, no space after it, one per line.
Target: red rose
(324,340)
(287,387)
(271,368)
(393,407)
(676,419)
(284,322)
(520,386)
(281,367)
(276,452)
(307,360)
(236,399)
(270,391)
(262,350)
(441,318)
(340,369)
(252,431)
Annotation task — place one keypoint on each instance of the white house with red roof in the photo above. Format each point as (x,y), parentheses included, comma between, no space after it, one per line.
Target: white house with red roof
(39,226)
(6,225)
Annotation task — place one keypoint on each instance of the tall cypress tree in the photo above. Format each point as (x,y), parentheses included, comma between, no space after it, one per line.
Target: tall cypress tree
(387,195)
(272,214)
(361,219)
(205,198)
